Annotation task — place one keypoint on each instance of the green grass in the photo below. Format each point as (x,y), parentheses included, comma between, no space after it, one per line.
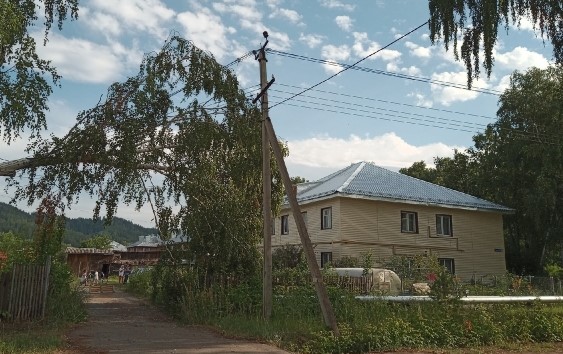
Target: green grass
(32,338)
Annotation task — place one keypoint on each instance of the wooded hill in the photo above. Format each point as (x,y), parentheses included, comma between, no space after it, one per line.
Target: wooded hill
(121,230)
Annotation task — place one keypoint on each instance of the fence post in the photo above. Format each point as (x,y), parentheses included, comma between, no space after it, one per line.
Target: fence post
(46,285)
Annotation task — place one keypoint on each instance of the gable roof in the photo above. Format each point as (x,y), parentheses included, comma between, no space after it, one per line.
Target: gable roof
(366,180)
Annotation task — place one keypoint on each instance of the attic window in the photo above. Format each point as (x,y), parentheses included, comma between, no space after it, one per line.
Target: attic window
(409,222)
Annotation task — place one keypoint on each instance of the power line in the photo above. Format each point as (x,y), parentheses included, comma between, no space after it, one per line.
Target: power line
(394,103)
(434,121)
(447,120)
(351,66)
(388,73)
(523,135)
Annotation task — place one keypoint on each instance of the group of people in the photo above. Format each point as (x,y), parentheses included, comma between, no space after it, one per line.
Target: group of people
(95,277)
(123,273)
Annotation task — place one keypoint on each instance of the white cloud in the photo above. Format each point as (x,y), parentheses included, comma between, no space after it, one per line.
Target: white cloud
(448,95)
(279,40)
(410,70)
(246,11)
(335,4)
(520,58)
(418,51)
(363,47)
(207,31)
(387,150)
(334,54)
(344,22)
(250,17)
(526,24)
(102,22)
(312,40)
(85,61)
(145,15)
(291,15)
(503,84)
(421,100)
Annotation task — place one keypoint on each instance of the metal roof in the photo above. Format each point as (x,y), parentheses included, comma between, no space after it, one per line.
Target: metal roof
(76,250)
(366,180)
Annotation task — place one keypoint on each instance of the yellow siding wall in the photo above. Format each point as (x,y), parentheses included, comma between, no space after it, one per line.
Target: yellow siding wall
(322,239)
(361,225)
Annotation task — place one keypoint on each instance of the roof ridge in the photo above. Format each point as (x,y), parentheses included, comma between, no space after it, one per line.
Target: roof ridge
(352,176)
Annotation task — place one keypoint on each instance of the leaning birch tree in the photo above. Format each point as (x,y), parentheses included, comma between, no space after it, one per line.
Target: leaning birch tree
(180,138)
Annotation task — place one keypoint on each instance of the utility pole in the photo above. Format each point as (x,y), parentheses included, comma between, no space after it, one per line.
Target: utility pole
(269,136)
(266,188)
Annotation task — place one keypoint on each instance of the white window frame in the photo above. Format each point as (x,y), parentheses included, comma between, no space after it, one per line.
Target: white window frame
(411,219)
(326,218)
(444,221)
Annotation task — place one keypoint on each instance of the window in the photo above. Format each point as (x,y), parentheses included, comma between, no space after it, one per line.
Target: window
(304,215)
(444,225)
(326,259)
(447,263)
(409,222)
(284,224)
(326,218)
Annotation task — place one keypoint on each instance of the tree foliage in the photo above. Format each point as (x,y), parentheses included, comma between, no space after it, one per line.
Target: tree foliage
(102,242)
(478,24)
(24,76)
(518,162)
(181,136)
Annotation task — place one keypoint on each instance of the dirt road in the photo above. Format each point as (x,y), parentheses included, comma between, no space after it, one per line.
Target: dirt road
(120,323)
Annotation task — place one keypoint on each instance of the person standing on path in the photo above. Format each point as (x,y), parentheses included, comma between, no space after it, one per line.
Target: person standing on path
(121,273)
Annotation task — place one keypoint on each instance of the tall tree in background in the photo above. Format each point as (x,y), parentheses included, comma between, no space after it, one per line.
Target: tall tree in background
(517,162)
(180,135)
(25,78)
(478,24)
(521,164)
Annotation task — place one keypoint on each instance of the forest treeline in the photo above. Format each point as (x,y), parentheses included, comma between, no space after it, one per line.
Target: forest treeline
(76,230)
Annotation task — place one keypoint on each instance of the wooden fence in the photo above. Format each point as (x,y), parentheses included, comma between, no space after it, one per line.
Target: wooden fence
(23,291)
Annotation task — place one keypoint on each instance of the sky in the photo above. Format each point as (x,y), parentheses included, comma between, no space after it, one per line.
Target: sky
(403,104)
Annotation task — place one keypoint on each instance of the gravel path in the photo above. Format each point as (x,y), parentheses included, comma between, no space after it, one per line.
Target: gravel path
(121,323)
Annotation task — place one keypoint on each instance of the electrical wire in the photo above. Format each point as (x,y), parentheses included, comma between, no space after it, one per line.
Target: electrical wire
(351,66)
(387,73)
(392,102)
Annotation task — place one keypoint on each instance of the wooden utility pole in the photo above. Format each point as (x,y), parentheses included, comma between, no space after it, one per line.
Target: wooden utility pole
(268,131)
(326,306)
(266,189)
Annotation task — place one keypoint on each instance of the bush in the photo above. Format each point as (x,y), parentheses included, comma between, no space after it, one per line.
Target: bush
(65,303)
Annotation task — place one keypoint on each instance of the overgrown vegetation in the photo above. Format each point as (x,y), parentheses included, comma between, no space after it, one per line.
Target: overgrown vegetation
(234,307)
(64,302)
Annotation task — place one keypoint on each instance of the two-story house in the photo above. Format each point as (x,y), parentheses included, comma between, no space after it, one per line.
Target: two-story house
(364,208)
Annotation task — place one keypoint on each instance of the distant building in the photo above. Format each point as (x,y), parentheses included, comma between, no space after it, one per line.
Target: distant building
(146,251)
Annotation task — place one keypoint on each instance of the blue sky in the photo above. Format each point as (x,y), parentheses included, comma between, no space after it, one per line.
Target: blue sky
(387,112)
